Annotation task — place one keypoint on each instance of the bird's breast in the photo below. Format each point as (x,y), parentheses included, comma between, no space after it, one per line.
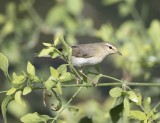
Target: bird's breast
(79,61)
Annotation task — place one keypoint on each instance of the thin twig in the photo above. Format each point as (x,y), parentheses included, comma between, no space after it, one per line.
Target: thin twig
(66,105)
(3,92)
(157,106)
(109,77)
(75,71)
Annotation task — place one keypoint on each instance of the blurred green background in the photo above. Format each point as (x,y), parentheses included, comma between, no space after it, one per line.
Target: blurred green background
(133,25)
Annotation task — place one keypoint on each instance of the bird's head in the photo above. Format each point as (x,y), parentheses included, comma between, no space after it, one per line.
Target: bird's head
(110,49)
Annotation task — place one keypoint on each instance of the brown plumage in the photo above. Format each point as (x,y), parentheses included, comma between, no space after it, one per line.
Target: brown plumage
(90,54)
(84,50)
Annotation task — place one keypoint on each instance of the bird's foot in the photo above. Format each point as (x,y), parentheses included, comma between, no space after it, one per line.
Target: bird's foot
(79,80)
(95,83)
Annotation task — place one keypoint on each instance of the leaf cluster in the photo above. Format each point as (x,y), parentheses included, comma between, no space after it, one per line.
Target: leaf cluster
(131,105)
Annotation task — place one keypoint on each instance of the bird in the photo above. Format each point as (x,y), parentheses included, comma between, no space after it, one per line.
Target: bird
(88,54)
(92,53)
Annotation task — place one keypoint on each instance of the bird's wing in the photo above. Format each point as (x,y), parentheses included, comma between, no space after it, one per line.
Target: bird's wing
(83,51)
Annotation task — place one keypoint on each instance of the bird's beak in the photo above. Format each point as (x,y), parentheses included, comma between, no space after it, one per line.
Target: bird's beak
(119,53)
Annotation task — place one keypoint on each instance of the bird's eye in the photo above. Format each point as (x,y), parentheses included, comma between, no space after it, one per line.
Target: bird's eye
(110,47)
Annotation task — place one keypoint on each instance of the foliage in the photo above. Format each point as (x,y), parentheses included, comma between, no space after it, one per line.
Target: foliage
(23,27)
(26,82)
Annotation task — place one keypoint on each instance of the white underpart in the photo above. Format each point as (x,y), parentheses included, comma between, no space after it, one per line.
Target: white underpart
(85,61)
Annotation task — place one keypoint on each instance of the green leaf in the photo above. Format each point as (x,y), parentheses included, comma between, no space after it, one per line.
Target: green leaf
(19,79)
(46,52)
(135,114)
(147,104)
(69,54)
(49,84)
(66,77)
(62,69)
(73,109)
(132,96)
(116,92)
(126,106)
(4,105)
(19,99)
(34,118)
(54,73)
(67,50)
(56,39)
(4,64)
(54,54)
(14,75)
(116,112)
(148,100)
(47,44)
(77,8)
(11,91)
(30,69)
(154,114)
(59,88)
(139,99)
(34,78)
(27,90)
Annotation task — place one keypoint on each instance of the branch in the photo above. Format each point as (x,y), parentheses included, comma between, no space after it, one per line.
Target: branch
(112,84)
(106,84)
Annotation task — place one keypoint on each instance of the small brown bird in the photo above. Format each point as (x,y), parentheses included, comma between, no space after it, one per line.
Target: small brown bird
(91,54)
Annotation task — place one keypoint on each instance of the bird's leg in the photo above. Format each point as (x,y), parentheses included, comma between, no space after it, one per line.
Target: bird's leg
(78,80)
(83,74)
(80,72)
(81,69)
